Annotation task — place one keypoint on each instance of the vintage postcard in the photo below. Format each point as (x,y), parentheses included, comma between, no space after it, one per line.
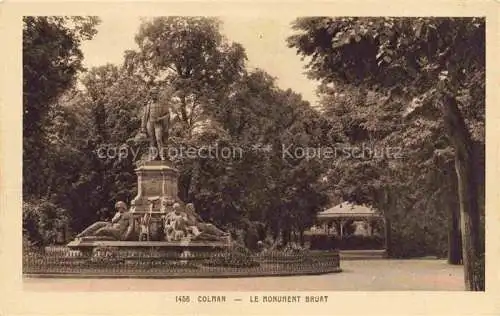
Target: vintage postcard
(284,158)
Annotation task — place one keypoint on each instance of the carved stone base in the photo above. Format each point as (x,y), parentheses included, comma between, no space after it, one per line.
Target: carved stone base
(156,181)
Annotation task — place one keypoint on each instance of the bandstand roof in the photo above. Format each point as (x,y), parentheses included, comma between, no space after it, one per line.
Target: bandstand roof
(348,210)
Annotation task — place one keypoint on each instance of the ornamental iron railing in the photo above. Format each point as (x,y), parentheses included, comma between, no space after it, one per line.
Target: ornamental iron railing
(113,262)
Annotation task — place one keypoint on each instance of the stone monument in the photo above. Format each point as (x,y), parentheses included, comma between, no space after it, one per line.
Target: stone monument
(156,215)
(156,177)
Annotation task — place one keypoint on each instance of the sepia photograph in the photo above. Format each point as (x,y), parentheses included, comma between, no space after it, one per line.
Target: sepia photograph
(266,160)
(160,147)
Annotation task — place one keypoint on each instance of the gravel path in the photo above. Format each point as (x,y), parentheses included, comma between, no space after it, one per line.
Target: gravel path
(357,275)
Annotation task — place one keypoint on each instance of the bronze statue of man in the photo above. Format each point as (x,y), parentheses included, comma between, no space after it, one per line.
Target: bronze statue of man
(155,123)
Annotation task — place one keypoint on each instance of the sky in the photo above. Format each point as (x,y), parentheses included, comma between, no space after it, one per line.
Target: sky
(263,39)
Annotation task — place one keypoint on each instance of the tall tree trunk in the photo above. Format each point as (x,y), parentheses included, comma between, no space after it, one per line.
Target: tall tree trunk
(184,115)
(285,234)
(454,235)
(467,191)
(387,236)
(185,185)
(390,203)
(451,205)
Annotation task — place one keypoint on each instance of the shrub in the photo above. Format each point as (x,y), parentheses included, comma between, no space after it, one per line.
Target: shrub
(43,222)
(321,242)
(294,248)
(32,236)
(251,237)
(31,248)
(235,257)
(291,253)
(411,239)
(354,242)
(249,234)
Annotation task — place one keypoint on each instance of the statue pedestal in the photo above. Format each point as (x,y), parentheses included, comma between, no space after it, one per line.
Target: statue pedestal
(156,182)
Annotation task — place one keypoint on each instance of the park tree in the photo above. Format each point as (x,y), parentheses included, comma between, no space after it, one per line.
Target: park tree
(280,191)
(110,102)
(51,60)
(90,165)
(257,186)
(435,67)
(190,56)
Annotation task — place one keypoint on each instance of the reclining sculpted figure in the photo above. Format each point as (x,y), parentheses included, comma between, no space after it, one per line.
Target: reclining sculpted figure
(120,227)
(201,229)
(180,223)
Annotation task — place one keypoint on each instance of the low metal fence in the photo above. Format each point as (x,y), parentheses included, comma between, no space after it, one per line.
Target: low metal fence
(157,263)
